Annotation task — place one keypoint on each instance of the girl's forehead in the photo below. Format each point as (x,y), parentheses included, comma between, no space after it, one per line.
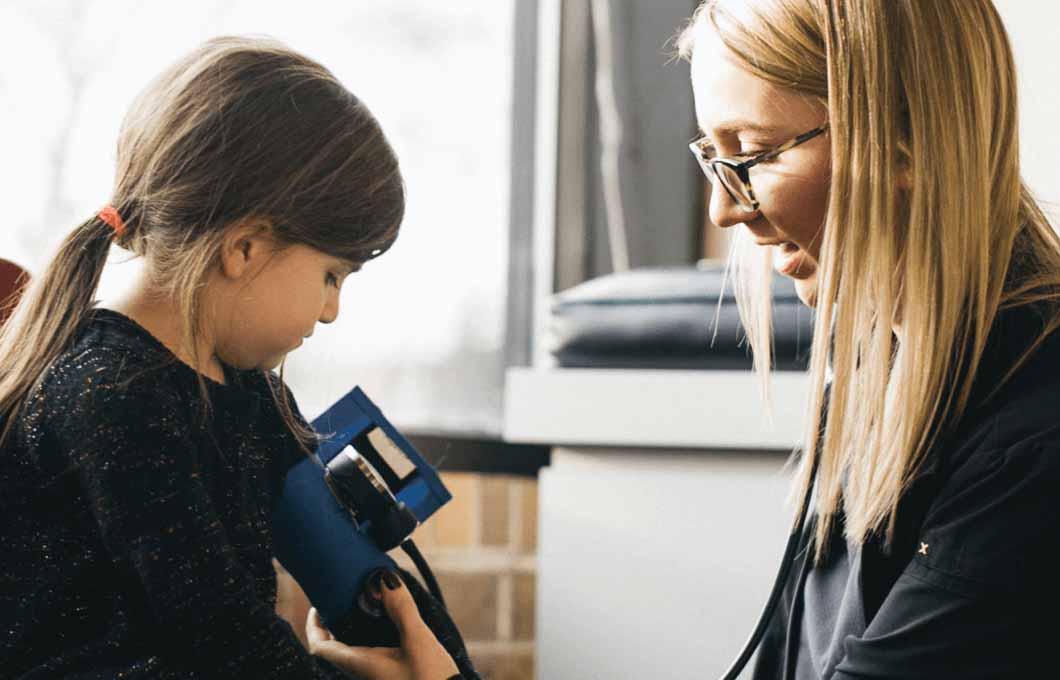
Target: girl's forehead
(325,257)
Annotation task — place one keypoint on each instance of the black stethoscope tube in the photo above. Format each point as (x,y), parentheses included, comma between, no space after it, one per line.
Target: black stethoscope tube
(786,563)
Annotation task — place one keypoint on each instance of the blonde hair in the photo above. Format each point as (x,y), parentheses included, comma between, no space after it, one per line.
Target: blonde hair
(239,128)
(921,89)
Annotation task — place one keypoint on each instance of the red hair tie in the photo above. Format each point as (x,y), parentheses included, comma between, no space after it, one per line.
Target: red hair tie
(111,217)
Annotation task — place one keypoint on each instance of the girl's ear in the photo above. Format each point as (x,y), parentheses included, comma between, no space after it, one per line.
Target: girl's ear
(245,247)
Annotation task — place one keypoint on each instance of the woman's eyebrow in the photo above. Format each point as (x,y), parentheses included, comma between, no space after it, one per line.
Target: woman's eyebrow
(731,127)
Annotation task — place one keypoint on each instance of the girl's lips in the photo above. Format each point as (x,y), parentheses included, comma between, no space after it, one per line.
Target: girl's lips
(791,260)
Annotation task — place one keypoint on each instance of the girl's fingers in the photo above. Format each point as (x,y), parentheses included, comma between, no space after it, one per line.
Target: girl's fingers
(420,655)
(400,606)
(427,656)
(315,630)
(361,661)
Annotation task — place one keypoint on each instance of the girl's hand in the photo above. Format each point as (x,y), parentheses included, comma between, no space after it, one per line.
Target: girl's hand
(420,657)
(292,605)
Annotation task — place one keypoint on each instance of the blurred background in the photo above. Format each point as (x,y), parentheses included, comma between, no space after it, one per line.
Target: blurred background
(439,78)
(527,130)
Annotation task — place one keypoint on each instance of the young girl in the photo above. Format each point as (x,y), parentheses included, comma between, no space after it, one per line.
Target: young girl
(145,442)
(869,150)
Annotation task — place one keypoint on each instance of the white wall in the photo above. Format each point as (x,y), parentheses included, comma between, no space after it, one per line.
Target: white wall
(1032,28)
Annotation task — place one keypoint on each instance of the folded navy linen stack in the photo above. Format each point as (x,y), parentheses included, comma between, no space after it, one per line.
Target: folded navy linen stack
(665,318)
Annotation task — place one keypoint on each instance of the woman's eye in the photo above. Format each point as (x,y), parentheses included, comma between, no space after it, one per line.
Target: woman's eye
(331,279)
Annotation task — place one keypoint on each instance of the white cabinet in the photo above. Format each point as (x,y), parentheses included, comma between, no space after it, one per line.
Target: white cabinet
(653,561)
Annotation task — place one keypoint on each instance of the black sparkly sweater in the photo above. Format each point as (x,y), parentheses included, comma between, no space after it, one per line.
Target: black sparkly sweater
(136,538)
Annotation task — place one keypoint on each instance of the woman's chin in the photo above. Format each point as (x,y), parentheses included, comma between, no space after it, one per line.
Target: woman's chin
(806,289)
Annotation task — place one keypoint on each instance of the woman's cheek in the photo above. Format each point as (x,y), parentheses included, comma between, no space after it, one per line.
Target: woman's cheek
(798,211)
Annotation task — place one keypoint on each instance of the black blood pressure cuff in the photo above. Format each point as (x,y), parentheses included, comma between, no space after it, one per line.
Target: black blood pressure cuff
(665,318)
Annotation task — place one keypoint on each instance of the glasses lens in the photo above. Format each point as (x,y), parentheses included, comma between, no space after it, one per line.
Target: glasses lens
(704,164)
(734,185)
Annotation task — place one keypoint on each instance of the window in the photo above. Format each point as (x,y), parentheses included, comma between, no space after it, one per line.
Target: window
(422,329)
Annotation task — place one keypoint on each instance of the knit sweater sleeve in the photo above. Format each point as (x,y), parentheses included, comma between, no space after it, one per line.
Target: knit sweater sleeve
(137,459)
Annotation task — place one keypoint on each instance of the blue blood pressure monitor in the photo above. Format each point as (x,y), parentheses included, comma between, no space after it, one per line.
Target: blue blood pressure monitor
(362,494)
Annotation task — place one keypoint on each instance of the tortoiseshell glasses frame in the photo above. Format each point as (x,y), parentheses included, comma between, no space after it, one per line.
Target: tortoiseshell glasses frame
(733,174)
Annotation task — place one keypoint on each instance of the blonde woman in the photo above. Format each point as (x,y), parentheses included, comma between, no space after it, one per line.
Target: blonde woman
(869,151)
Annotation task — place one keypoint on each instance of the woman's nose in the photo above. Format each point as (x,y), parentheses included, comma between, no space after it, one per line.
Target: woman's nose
(724,212)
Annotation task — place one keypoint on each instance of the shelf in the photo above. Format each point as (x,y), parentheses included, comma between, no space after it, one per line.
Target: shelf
(653,408)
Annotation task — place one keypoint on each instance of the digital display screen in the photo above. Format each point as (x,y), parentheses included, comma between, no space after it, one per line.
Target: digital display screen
(386,458)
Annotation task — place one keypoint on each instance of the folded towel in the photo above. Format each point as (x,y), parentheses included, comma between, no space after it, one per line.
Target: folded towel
(664,318)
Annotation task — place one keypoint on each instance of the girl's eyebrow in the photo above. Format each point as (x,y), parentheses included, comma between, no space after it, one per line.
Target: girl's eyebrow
(349,266)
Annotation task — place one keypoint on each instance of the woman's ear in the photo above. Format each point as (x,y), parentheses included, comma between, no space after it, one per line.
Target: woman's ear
(904,177)
(245,247)
(904,167)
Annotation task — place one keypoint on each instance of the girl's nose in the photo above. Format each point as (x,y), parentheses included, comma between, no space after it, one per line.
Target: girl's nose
(724,211)
(331,309)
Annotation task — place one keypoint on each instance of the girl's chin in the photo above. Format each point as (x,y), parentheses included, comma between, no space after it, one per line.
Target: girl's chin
(272,363)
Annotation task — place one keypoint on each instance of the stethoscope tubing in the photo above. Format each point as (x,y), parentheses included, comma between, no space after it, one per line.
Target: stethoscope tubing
(786,564)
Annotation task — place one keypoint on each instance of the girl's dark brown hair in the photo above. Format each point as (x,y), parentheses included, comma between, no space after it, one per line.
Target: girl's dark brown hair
(241,128)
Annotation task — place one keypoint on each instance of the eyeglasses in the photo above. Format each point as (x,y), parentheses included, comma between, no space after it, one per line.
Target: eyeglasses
(734,175)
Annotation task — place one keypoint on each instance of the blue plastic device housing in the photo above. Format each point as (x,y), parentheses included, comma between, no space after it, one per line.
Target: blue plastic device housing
(315,538)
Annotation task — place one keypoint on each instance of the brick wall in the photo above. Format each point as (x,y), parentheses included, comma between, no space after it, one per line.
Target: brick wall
(482,548)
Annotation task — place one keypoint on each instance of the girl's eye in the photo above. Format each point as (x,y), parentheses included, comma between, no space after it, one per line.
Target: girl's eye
(331,279)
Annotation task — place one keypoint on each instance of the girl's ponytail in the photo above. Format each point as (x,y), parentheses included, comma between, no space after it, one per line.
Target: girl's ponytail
(239,128)
(50,311)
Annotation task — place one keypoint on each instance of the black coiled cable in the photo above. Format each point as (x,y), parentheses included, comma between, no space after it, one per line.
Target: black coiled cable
(425,571)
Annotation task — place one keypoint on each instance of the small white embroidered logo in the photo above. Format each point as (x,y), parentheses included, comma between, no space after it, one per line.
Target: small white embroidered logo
(923,548)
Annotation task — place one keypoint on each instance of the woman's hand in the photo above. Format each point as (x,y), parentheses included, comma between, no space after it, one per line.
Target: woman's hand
(420,657)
